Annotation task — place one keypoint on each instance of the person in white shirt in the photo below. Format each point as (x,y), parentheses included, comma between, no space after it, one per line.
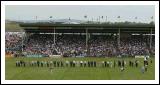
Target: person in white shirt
(67,63)
(81,63)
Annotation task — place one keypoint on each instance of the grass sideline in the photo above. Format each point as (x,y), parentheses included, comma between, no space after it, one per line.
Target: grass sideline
(78,73)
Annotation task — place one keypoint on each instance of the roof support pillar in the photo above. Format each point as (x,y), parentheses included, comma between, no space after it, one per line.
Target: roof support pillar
(118,40)
(54,36)
(150,44)
(87,41)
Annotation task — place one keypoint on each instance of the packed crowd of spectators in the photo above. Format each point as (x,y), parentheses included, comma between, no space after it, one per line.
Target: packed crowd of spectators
(134,45)
(102,45)
(67,45)
(13,42)
(75,45)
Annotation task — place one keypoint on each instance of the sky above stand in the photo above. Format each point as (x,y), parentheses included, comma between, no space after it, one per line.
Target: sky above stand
(43,12)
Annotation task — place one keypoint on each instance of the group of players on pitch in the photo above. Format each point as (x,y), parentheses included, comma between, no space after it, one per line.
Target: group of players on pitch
(51,64)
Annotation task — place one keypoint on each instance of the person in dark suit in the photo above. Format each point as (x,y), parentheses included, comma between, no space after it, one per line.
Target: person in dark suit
(22,63)
(123,63)
(74,63)
(47,64)
(61,64)
(136,63)
(81,63)
(91,63)
(119,63)
(88,63)
(54,63)
(38,63)
(105,63)
(85,63)
(58,63)
(132,64)
(151,61)
(71,63)
(41,63)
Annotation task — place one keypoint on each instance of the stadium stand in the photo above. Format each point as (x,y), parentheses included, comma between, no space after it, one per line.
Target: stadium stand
(72,45)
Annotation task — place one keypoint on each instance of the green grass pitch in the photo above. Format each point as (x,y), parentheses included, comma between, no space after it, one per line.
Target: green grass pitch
(78,73)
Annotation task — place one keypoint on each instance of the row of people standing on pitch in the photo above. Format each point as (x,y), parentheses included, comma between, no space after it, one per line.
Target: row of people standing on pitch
(109,64)
(106,64)
(20,63)
(80,63)
(121,63)
(47,63)
(133,63)
(67,63)
(91,63)
(38,63)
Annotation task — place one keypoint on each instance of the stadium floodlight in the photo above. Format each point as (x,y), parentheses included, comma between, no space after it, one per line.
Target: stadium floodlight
(50,17)
(69,20)
(136,19)
(99,18)
(118,17)
(102,17)
(152,17)
(85,17)
(106,18)
(36,18)
(92,20)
